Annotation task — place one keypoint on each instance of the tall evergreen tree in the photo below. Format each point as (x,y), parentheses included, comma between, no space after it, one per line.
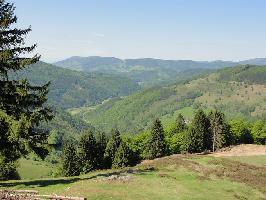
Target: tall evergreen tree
(21,104)
(70,161)
(200,136)
(156,145)
(87,152)
(101,142)
(111,147)
(219,129)
(180,123)
(123,156)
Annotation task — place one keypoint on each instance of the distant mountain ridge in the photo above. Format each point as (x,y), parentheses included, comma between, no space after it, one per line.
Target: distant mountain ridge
(237,91)
(148,71)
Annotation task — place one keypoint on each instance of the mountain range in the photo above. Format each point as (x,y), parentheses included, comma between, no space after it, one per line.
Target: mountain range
(238,91)
(149,71)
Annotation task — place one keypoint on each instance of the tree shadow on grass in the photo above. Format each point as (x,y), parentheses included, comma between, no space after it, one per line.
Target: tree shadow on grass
(50,182)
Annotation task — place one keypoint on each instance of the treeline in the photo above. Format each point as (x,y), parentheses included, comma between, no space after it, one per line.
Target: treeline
(205,133)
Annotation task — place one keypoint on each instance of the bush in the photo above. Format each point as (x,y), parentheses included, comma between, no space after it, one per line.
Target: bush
(258,132)
(8,170)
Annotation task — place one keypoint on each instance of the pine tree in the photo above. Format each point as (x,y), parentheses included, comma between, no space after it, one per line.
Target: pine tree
(156,145)
(199,134)
(180,124)
(87,152)
(101,142)
(70,161)
(123,156)
(111,147)
(219,129)
(21,104)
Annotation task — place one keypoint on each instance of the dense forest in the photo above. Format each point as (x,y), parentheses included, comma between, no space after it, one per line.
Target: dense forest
(241,94)
(70,88)
(207,132)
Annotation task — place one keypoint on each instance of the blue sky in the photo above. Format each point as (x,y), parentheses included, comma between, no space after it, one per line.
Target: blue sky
(168,29)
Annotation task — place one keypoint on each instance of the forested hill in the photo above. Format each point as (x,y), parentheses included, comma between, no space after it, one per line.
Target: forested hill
(246,73)
(238,91)
(76,89)
(147,71)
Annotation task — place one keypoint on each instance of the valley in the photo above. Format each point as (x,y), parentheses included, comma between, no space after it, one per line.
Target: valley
(132,100)
(241,95)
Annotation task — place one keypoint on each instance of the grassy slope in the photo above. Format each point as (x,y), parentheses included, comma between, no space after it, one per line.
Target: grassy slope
(30,169)
(175,177)
(231,95)
(253,160)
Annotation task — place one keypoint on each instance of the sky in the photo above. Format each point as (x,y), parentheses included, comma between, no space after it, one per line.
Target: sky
(166,29)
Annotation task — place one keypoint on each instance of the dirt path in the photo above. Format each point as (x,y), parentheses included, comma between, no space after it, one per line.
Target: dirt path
(242,150)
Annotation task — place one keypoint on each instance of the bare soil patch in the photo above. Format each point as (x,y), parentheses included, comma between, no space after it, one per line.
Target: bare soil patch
(241,150)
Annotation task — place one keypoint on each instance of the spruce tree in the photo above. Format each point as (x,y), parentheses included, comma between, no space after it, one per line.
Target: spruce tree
(180,124)
(219,129)
(156,145)
(122,157)
(199,134)
(87,152)
(70,161)
(101,142)
(21,104)
(111,147)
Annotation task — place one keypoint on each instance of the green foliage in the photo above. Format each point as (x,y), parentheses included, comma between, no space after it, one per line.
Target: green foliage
(139,143)
(101,142)
(70,161)
(65,124)
(180,124)
(258,132)
(244,73)
(87,152)
(199,134)
(55,138)
(123,156)
(21,104)
(134,113)
(111,147)
(219,130)
(72,89)
(148,72)
(178,142)
(156,146)
(241,131)
(8,169)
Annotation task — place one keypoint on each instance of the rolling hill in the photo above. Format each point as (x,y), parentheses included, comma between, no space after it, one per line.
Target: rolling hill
(238,91)
(148,71)
(71,88)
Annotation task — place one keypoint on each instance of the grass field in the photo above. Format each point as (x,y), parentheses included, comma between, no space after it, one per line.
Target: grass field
(253,160)
(30,169)
(175,177)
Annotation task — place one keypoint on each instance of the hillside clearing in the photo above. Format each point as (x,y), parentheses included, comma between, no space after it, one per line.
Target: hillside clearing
(181,177)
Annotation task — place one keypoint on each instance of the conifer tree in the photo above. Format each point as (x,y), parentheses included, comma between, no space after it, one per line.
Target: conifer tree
(156,145)
(219,129)
(111,147)
(87,152)
(70,161)
(101,142)
(21,104)
(180,124)
(199,134)
(123,156)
